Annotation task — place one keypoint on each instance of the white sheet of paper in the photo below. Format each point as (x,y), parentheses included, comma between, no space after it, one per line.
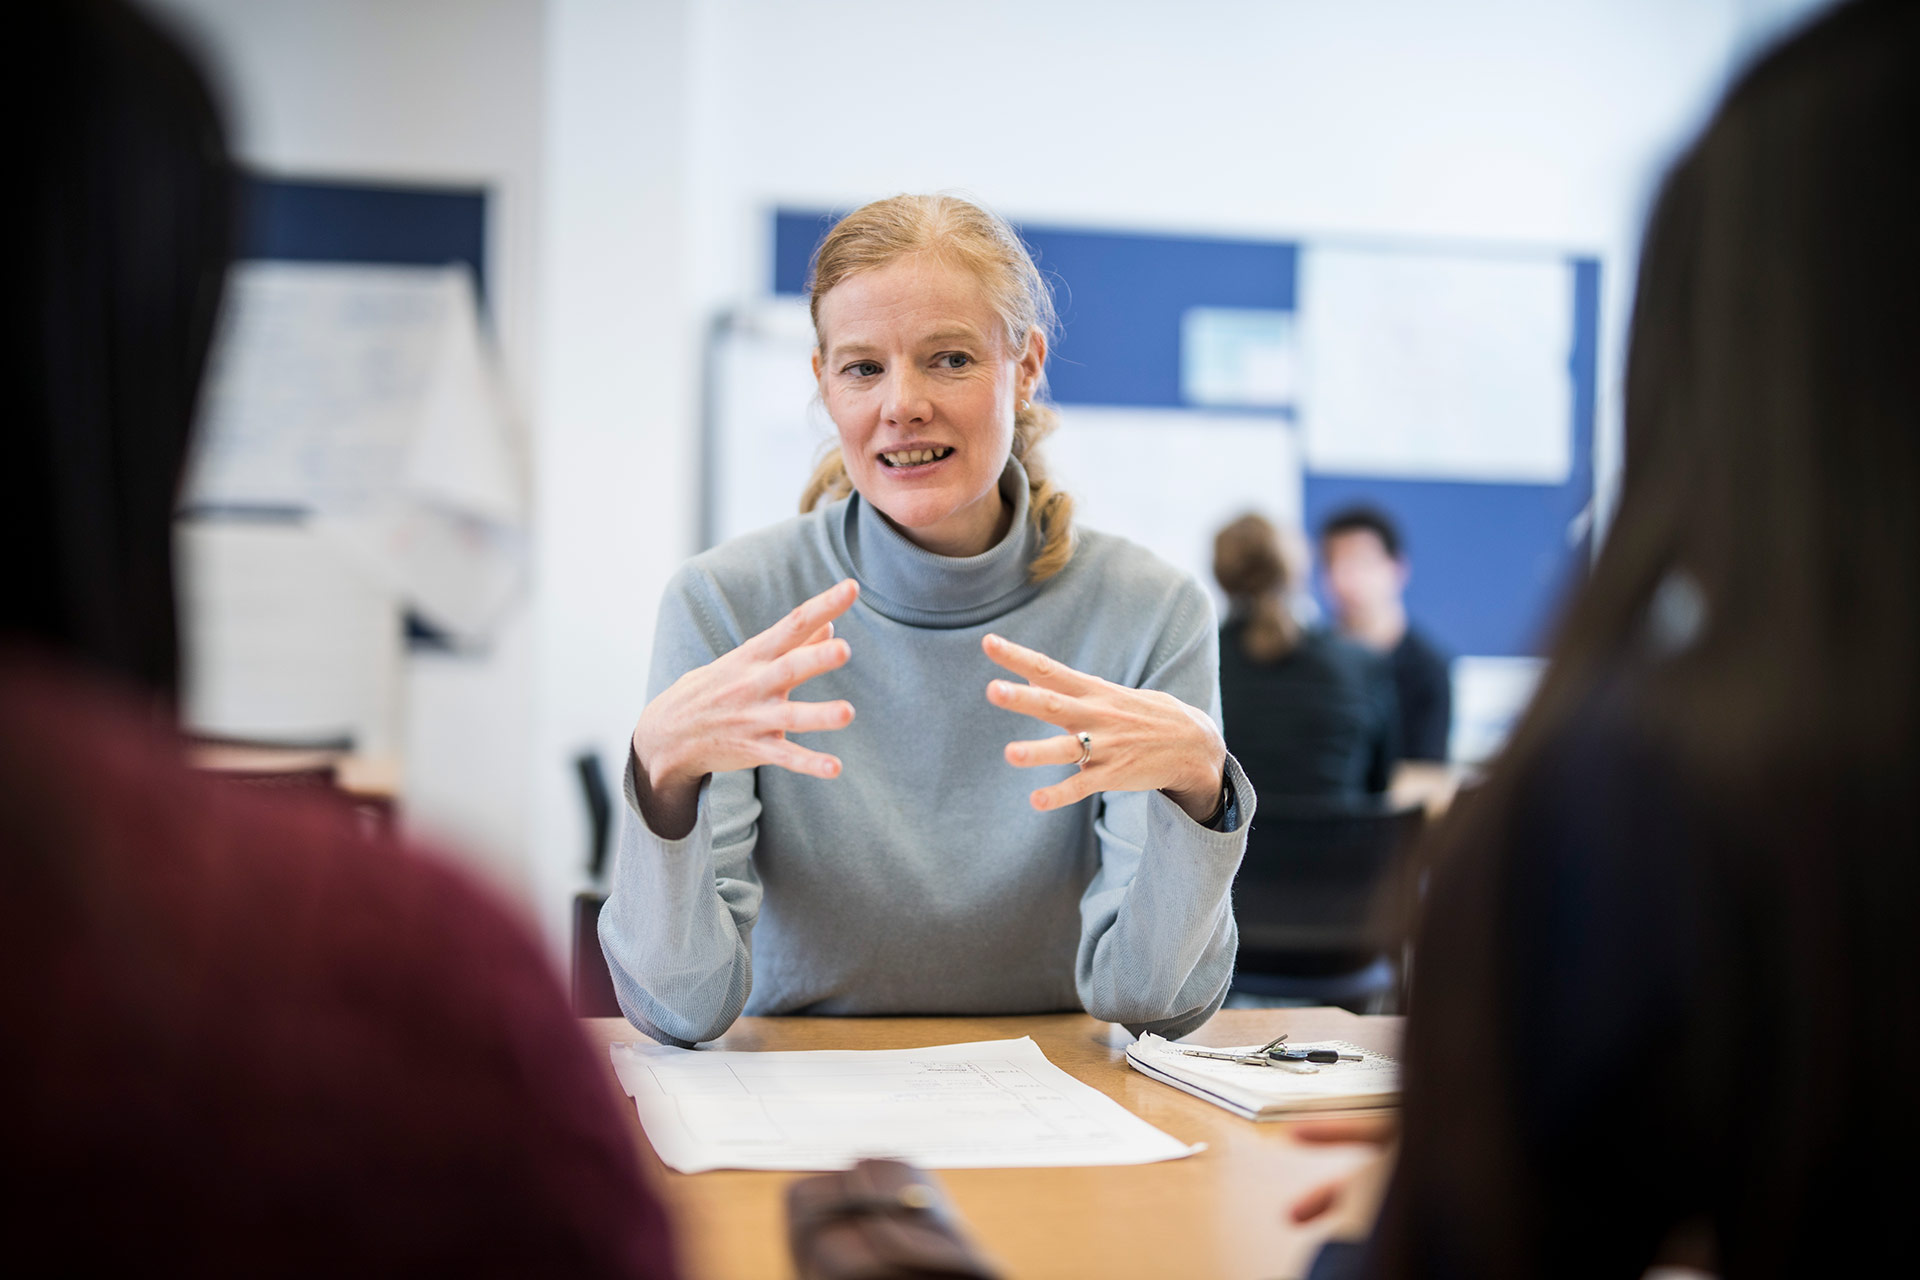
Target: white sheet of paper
(285,637)
(989,1104)
(1240,356)
(1169,478)
(1437,367)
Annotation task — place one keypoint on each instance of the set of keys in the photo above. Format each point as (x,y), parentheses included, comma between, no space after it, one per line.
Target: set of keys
(1273,1054)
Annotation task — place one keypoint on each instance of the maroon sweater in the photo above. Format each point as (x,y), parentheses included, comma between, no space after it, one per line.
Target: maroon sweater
(240,1036)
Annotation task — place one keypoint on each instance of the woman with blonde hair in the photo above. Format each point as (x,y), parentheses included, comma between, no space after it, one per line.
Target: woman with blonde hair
(918,870)
(1309,714)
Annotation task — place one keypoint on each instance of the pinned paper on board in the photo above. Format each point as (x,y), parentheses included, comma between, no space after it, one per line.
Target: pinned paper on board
(1239,357)
(1426,366)
(364,399)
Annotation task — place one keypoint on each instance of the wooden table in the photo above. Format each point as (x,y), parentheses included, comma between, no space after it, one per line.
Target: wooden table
(360,777)
(1218,1214)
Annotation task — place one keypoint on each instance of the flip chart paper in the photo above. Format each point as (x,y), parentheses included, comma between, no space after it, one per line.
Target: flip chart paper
(364,399)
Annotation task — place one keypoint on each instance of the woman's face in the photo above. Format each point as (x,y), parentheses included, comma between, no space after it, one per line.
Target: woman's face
(915,370)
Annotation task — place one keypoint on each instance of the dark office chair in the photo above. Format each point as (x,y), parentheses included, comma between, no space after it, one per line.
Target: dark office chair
(1314,900)
(592,981)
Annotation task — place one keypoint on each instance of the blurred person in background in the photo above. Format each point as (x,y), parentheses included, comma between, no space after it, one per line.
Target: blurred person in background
(1364,558)
(939,874)
(1667,1000)
(1307,713)
(242,1036)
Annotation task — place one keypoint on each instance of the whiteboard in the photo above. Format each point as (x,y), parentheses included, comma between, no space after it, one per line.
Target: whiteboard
(766,426)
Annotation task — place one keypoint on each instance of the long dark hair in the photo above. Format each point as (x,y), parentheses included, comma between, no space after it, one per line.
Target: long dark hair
(1754,623)
(130,205)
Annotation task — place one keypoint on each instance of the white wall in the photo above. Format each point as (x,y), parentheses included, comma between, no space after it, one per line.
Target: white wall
(619,416)
(638,147)
(438,91)
(1479,120)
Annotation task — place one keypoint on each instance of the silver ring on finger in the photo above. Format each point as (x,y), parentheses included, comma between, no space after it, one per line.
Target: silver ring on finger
(1086,749)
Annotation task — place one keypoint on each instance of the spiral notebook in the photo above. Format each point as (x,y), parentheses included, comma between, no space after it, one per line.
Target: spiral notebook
(1284,1092)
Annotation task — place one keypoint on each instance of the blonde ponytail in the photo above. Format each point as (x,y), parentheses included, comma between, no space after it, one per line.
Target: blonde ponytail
(962,233)
(1050,508)
(1250,568)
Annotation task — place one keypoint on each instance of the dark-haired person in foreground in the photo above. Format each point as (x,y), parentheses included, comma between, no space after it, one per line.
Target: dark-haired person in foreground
(1364,558)
(1667,998)
(242,1038)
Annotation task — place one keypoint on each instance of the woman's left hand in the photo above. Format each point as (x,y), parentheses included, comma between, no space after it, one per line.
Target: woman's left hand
(1140,739)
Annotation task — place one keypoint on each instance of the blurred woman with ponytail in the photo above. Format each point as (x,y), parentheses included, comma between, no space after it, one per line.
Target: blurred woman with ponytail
(1307,713)
(977,843)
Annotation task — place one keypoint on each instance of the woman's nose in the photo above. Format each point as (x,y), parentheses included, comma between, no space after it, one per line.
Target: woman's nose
(907,401)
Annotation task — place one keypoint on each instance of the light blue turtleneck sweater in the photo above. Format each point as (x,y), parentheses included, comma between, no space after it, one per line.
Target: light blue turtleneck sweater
(921,880)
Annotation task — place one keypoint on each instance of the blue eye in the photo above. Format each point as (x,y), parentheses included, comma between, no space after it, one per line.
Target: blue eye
(956,359)
(862,369)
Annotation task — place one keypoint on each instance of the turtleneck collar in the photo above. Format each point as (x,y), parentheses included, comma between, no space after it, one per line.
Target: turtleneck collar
(912,585)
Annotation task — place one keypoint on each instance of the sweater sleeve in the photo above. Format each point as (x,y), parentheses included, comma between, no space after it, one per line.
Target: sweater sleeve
(1157,935)
(678,921)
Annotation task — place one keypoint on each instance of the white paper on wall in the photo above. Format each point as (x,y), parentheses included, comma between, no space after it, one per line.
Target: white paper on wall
(1441,367)
(1238,356)
(1168,479)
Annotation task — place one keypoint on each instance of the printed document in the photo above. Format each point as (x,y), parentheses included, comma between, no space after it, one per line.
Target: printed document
(989,1104)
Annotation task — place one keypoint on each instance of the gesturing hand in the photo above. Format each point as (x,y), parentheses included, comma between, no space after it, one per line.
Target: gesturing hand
(1137,739)
(734,713)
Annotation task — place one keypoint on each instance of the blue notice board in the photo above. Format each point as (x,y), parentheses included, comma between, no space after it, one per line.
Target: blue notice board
(305,220)
(1491,561)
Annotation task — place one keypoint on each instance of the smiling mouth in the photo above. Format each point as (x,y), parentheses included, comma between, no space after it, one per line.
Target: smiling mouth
(915,457)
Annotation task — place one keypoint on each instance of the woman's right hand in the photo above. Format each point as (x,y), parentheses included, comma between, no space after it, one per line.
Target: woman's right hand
(734,713)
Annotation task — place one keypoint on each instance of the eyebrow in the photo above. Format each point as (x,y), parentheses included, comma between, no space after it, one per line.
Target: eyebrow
(965,335)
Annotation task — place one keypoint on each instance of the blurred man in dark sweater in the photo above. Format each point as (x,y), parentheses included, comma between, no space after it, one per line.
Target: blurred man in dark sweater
(1365,561)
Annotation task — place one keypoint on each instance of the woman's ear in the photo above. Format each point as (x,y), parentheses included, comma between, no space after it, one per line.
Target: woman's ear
(1032,361)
